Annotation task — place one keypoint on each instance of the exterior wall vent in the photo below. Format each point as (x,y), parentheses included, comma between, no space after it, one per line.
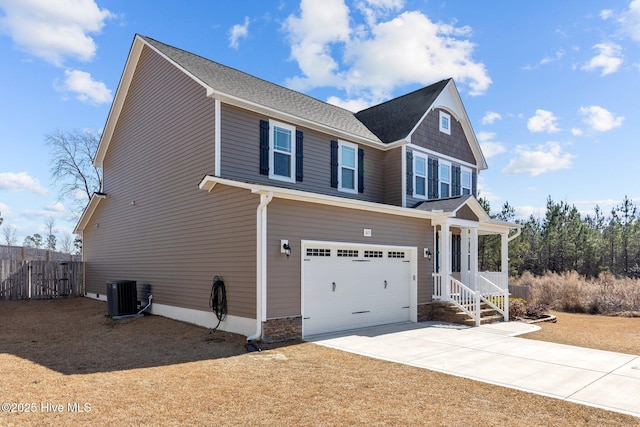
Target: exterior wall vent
(121,298)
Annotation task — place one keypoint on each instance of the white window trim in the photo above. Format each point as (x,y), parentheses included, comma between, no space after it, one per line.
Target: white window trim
(425,176)
(353,190)
(440,181)
(462,187)
(448,117)
(272,125)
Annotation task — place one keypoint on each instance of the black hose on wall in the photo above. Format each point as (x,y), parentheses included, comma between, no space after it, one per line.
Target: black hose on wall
(218,300)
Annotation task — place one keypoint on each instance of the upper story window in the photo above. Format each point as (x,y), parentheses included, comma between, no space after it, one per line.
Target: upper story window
(445,123)
(348,167)
(420,176)
(465,182)
(282,149)
(445,179)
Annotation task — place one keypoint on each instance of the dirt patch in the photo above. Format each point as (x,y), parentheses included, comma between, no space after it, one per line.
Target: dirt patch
(155,371)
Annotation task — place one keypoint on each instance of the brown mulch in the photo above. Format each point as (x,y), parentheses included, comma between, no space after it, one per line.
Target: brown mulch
(156,371)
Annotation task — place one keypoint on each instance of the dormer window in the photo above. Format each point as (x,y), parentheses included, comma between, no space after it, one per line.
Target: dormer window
(445,123)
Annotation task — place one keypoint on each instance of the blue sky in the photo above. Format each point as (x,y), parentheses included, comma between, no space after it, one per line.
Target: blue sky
(551,87)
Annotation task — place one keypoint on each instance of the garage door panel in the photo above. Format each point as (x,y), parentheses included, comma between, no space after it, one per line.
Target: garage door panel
(351,291)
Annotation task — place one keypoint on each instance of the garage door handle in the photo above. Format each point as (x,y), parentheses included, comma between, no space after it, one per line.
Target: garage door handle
(333,285)
(385,284)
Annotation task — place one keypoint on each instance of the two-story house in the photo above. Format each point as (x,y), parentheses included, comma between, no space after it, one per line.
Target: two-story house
(317,219)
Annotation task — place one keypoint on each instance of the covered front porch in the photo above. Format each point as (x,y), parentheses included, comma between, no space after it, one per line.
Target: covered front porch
(456,278)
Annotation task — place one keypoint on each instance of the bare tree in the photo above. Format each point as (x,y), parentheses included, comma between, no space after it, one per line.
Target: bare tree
(72,165)
(50,223)
(9,235)
(66,243)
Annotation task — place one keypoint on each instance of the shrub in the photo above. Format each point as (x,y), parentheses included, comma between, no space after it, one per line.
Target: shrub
(574,293)
(517,308)
(536,310)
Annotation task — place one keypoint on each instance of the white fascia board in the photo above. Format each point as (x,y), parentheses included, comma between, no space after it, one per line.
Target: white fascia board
(209,182)
(118,100)
(123,89)
(295,120)
(88,212)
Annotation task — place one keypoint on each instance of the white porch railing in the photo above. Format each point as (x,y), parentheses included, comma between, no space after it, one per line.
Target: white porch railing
(494,296)
(498,278)
(447,288)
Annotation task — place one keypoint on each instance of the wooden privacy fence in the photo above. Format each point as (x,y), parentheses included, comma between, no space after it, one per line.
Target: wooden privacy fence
(519,291)
(40,279)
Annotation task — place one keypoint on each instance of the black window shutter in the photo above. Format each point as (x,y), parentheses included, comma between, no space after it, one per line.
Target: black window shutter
(474,183)
(433,178)
(410,173)
(334,164)
(264,147)
(456,172)
(360,170)
(299,155)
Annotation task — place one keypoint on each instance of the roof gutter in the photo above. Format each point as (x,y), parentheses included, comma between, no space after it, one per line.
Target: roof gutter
(518,232)
(261,265)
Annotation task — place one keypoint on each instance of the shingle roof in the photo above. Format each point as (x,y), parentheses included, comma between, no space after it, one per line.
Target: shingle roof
(395,119)
(246,87)
(450,204)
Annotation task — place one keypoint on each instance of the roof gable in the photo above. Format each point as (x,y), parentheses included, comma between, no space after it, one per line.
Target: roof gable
(378,126)
(397,118)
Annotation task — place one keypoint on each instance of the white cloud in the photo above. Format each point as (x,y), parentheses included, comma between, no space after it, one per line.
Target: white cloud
(311,35)
(543,121)
(576,131)
(544,158)
(490,117)
(629,21)
(488,146)
(600,119)
(370,60)
(21,181)
(85,88)
(54,30)
(558,56)
(606,14)
(353,105)
(239,32)
(485,192)
(608,60)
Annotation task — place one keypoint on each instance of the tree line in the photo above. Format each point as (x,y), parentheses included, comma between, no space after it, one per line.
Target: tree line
(563,240)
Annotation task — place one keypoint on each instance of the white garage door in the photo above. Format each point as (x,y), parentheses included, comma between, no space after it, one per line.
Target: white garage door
(347,287)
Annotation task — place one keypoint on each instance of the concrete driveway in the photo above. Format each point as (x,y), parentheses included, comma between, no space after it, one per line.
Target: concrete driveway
(493,354)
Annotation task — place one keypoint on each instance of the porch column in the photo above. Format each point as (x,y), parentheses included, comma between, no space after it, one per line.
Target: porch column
(445,259)
(473,267)
(504,263)
(464,257)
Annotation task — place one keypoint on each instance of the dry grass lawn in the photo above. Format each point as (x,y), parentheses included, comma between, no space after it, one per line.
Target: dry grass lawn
(155,371)
(620,334)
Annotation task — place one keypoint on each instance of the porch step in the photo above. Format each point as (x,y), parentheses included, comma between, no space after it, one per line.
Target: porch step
(484,320)
(448,312)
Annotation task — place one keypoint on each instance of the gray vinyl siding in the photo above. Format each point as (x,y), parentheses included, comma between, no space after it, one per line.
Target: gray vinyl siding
(393,177)
(156,226)
(296,221)
(428,135)
(240,158)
